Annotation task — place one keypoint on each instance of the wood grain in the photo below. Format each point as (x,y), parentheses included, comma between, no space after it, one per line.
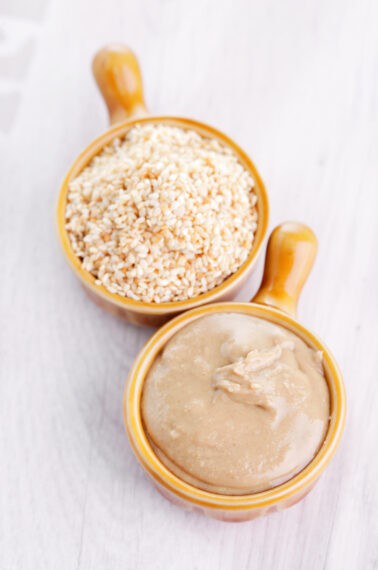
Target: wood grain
(295,83)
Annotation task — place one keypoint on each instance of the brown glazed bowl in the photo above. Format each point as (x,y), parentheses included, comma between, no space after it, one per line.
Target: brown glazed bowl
(290,254)
(117,73)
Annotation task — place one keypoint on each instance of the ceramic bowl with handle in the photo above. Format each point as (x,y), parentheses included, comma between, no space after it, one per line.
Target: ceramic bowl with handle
(118,76)
(290,255)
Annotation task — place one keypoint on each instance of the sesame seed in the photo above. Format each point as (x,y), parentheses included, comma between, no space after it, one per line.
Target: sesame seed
(162,214)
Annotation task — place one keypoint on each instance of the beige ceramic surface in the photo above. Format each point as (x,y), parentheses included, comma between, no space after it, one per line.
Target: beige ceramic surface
(118,76)
(290,254)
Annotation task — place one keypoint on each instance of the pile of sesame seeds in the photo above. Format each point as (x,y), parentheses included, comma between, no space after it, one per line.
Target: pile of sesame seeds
(163,214)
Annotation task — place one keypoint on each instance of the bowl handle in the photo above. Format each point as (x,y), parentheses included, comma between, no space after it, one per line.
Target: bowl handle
(117,73)
(289,257)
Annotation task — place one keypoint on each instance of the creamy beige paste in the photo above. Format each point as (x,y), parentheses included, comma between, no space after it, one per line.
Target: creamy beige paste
(235,404)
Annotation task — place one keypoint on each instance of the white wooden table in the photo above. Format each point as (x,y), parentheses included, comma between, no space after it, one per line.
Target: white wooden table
(296,84)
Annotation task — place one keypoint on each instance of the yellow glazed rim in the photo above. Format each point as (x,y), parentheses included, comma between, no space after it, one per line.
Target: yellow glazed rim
(151,463)
(173,307)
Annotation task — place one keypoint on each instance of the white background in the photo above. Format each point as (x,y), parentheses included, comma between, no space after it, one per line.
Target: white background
(295,82)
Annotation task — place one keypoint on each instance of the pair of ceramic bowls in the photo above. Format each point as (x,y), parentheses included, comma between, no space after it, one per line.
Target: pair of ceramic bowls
(290,254)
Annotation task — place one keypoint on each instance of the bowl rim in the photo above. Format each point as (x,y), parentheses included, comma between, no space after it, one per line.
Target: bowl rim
(83,159)
(173,484)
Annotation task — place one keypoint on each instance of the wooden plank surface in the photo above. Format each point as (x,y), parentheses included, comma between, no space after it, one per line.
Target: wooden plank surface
(296,84)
